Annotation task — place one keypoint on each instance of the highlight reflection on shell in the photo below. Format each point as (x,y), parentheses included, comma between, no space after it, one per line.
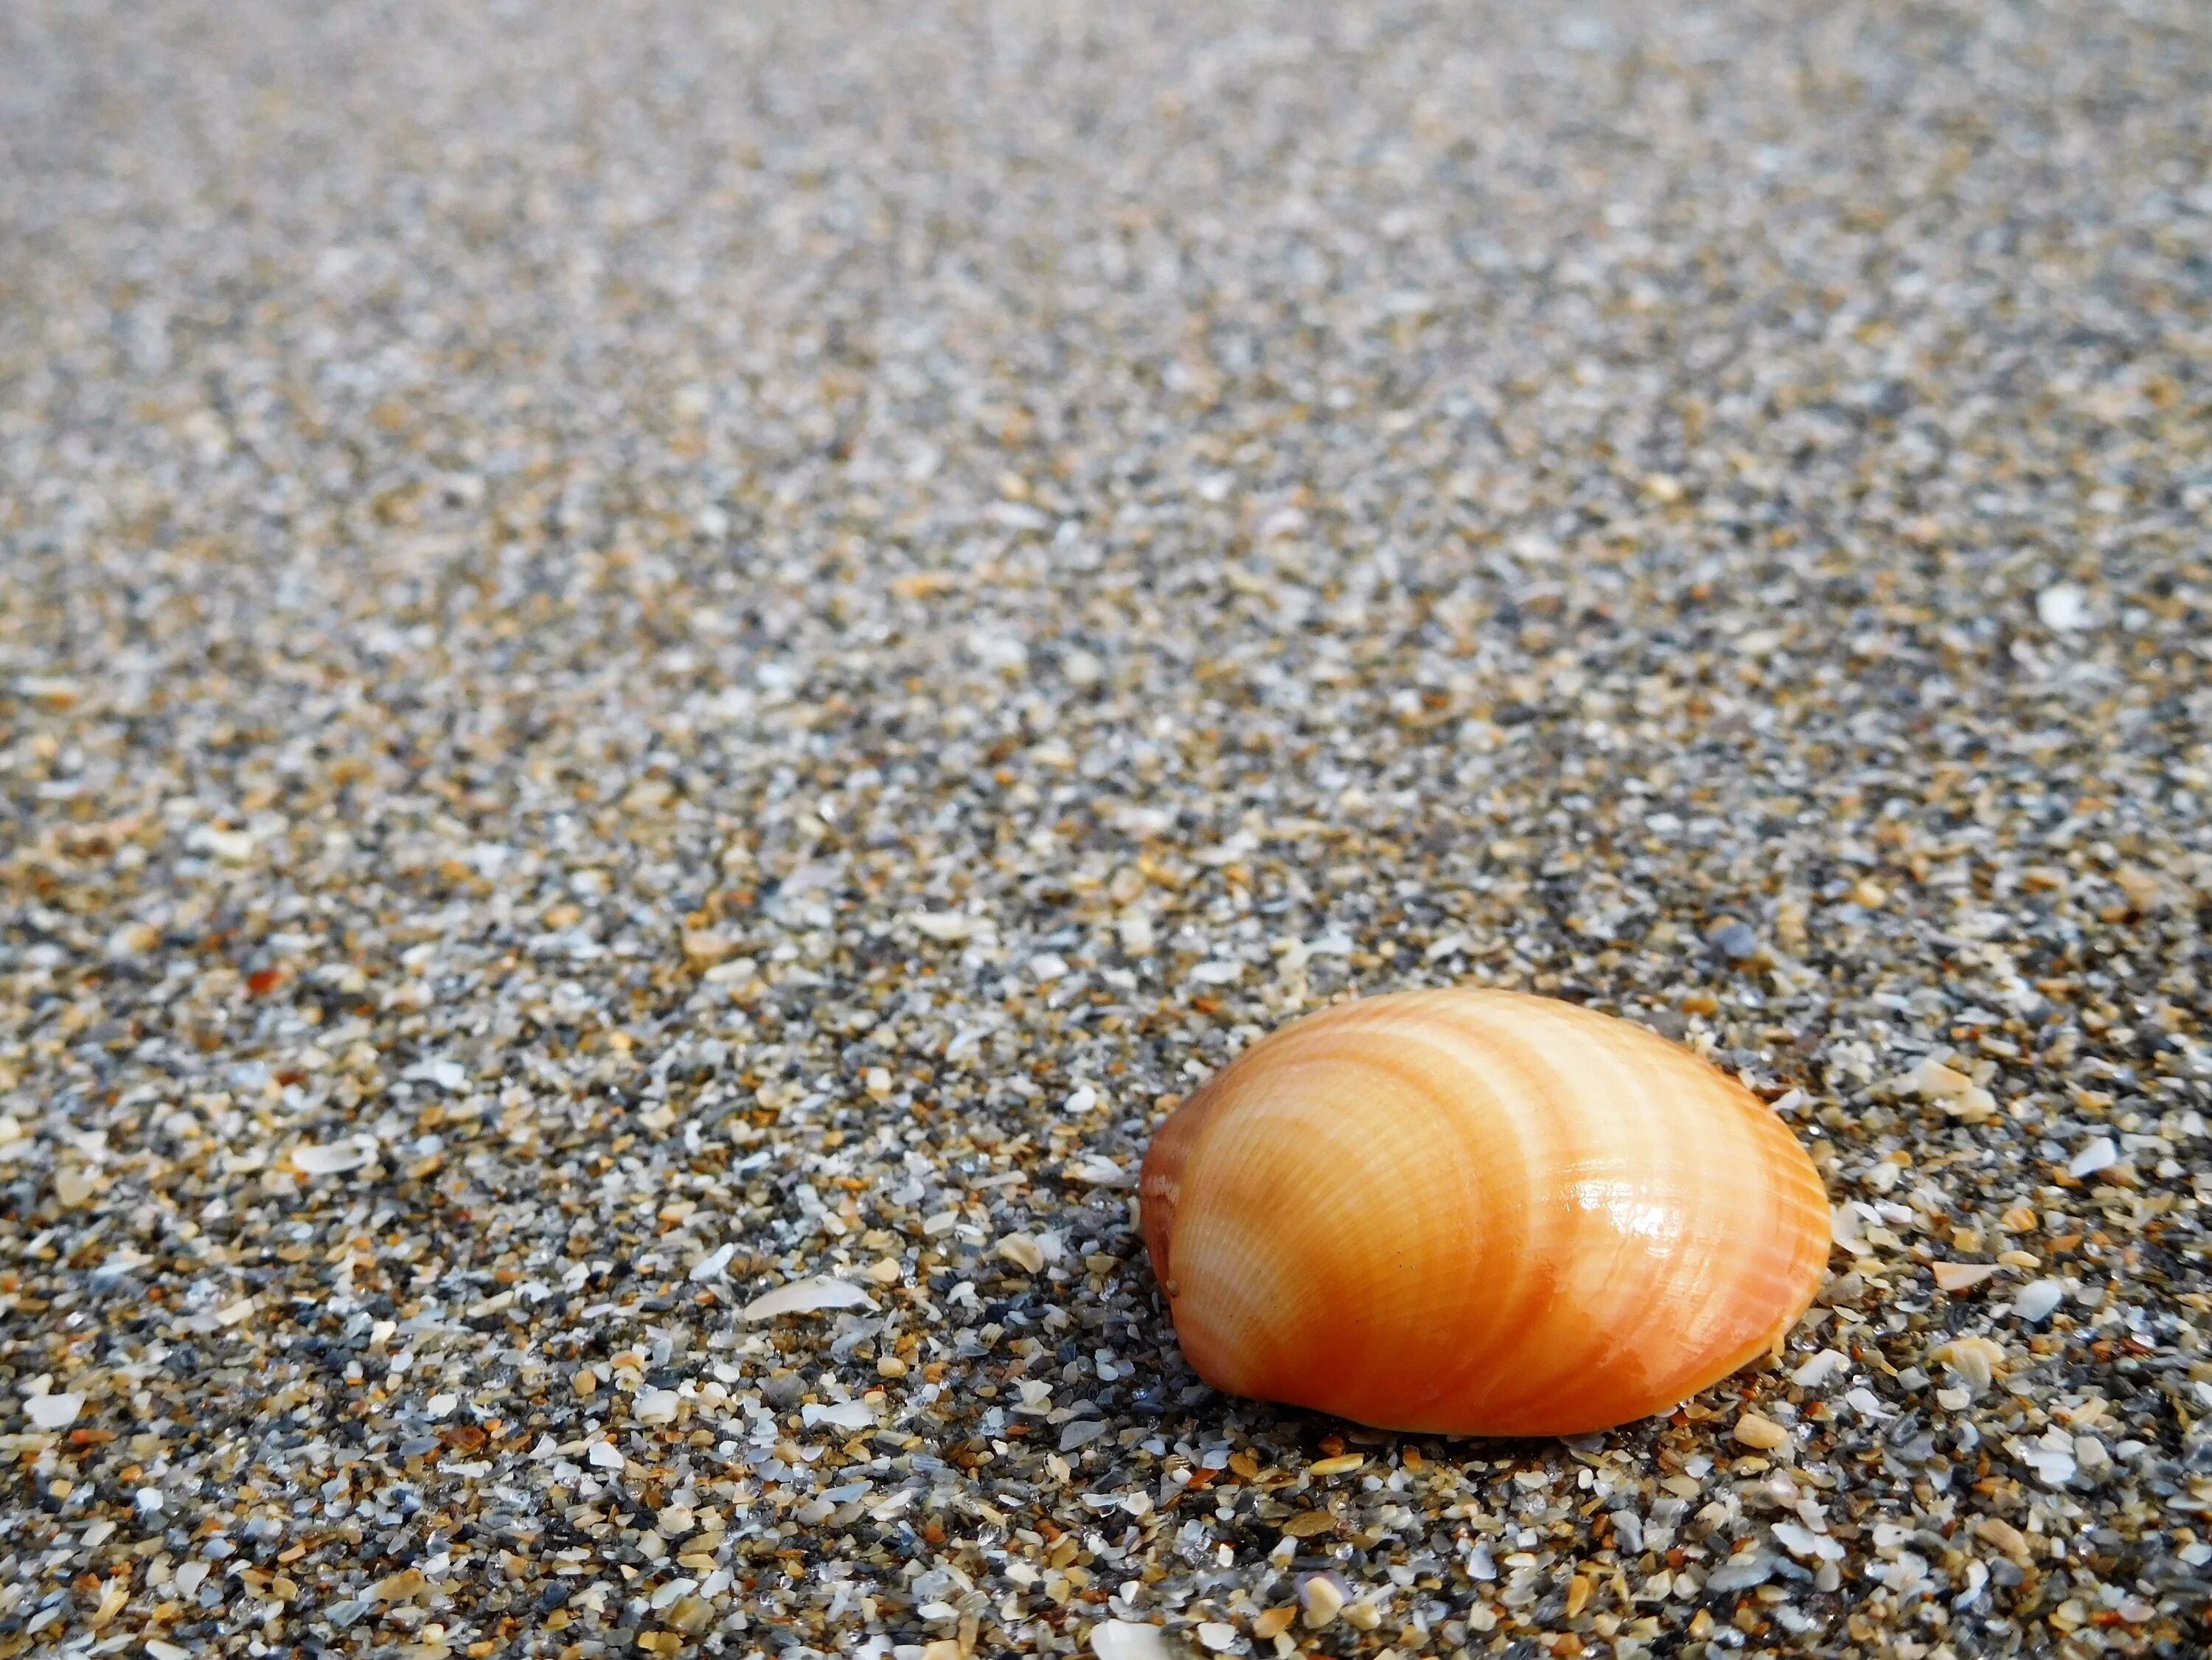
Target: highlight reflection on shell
(1479,1213)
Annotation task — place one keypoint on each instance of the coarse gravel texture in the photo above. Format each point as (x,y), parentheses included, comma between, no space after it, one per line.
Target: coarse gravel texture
(651,651)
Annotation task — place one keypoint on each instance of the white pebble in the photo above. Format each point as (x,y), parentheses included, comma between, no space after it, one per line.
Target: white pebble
(53,1412)
(2099,1154)
(1125,1639)
(2064,607)
(2037,1299)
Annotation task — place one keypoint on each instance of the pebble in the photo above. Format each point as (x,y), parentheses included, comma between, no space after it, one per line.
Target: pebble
(1322,1598)
(1126,1639)
(2063,608)
(2038,1300)
(631,658)
(1763,1433)
(1956,1276)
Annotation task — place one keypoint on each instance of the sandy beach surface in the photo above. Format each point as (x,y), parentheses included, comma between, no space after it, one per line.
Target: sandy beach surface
(659,654)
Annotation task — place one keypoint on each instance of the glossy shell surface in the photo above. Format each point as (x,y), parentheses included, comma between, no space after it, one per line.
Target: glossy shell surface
(1479,1213)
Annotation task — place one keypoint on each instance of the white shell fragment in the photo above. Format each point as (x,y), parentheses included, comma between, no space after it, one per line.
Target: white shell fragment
(951,926)
(2062,607)
(2038,1301)
(808,1296)
(447,1075)
(1125,1639)
(2099,1155)
(53,1412)
(1819,1368)
(713,1263)
(332,1160)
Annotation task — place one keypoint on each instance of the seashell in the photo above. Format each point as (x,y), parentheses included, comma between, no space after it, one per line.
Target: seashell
(809,1296)
(1479,1213)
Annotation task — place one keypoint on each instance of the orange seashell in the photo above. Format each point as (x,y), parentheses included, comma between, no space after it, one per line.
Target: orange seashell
(1479,1213)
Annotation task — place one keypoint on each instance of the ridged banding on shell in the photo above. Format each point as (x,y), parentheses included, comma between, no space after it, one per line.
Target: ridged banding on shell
(1481,1213)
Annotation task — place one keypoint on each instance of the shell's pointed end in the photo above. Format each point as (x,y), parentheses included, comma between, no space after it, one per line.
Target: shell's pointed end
(1479,1213)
